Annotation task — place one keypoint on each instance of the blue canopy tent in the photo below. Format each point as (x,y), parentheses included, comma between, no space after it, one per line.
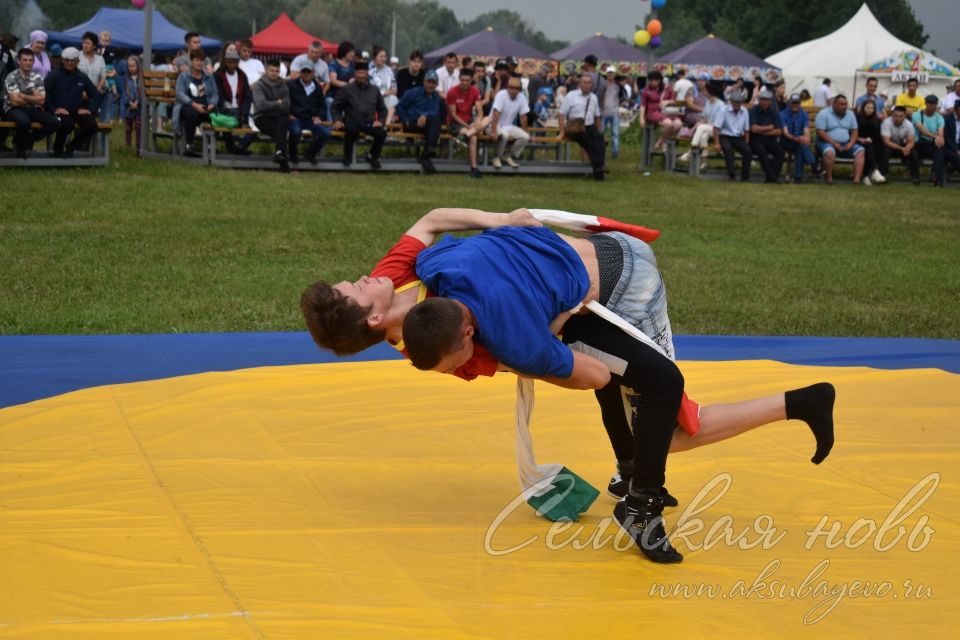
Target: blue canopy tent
(126,29)
(489,45)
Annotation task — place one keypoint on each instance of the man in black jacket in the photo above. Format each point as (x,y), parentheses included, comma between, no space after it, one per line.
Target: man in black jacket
(65,87)
(306,105)
(359,107)
(233,89)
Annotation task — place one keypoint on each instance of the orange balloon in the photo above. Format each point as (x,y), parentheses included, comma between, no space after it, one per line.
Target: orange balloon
(654,27)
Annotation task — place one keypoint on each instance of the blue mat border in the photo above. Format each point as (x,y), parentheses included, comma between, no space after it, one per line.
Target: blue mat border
(34,367)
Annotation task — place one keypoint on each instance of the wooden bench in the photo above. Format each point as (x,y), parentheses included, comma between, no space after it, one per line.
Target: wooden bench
(98,156)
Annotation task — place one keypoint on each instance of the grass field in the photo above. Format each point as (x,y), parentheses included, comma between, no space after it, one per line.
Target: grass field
(152,246)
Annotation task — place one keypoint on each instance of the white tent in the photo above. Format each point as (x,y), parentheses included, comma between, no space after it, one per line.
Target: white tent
(837,55)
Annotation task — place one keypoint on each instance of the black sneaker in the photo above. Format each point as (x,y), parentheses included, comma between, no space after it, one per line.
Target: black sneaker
(312,159)
(641,518)
(427,165)
(374,162)
(619,487)
(281,160)
(475,173)
(346,162)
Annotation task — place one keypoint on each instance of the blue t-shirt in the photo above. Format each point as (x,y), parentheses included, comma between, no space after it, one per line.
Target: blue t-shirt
(933,124)
(834,126)
(344,74)
(515,280)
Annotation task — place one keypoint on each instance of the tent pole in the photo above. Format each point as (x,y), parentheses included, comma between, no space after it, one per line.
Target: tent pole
(145,116)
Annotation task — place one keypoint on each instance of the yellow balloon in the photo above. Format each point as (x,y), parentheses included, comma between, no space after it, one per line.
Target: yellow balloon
(641,38)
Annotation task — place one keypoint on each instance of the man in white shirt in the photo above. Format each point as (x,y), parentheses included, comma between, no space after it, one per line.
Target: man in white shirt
(508,105)
(251,66)
(682,85)
(731,132)
(823,95)
(448,74)
(946,107)
(321,73)
(583,103)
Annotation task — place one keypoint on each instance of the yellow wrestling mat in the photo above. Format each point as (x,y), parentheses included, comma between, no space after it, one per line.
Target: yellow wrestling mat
(362,500)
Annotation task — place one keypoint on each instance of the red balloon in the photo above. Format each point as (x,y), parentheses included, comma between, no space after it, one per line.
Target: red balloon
(139,4)
(654,27)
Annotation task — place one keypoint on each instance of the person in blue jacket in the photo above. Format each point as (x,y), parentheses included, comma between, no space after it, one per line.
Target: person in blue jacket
(423,110)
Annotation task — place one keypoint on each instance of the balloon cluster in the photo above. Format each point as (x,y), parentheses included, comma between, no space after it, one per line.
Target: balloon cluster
(139,4)
(651,35)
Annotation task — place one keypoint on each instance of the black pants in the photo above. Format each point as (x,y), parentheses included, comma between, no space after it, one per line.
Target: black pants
(275,126)
(352,132)
(594,144)
(228,139)
(24,137)
(656,386)
(729,144)
(769,153)
(870,163)
(431,130)
(951,157)
(911,160)
(930,151)
(86,126)
(189,121)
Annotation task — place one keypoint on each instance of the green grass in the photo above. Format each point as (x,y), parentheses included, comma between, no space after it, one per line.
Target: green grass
(152,246)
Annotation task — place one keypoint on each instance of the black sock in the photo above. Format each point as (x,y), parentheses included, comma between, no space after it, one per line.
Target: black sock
(814,405)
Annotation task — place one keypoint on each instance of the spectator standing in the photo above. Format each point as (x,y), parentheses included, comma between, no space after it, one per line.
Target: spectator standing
(448,74)
(271,103)
(765,131)
(911,99)
(509,107)
(383,78)
(73,99)
(806,100)
(951,100)
(359,107)
(111,98)
(610,96)
(307,107)
(483,84)
(823,96)
(423,110)
(196,99)
(731,133)
(93,65)
(394,64)
(951,138)
(589,67)
(779,94)
(341,70)
(583,103)
(23,100)
(868,135)
(41,61)
(8,54)
(314,55)
(872,94)
(183,61)
(930,137)
(899,140)
(837,133)
(796,136)
(737,86)
(251,67)
(235,99)
(412,76)
(466,116)
(539,80)
(131,98)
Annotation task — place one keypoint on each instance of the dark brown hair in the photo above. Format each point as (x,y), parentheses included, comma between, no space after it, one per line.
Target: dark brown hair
(431,330)
(337,323)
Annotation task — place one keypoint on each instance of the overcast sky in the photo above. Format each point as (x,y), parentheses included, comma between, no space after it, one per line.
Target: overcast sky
(618,17)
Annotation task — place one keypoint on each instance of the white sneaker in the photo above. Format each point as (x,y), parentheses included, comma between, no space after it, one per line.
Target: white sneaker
(877,177)
(510,162)
(497,164)
(866,182)
(684,157)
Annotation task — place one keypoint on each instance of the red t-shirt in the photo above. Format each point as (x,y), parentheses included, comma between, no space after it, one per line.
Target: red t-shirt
(400,266)
(462,101)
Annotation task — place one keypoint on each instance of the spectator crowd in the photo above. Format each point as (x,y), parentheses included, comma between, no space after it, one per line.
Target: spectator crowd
(65,92)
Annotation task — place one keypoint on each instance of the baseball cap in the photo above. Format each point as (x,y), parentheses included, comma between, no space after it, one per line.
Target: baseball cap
(71,53)
(765,94)
(931,98)
(307,66)
(512,61)
(737,96)
(795,97)
(231,55)
(394,60)
(610,69)
(56,50)
(501,64)
(431,75)
(703,76)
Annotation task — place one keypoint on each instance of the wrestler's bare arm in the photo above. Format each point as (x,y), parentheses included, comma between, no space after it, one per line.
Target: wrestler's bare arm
(448,219)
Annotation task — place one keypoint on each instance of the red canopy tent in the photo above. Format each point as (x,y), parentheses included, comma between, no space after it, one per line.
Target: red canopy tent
(284,37)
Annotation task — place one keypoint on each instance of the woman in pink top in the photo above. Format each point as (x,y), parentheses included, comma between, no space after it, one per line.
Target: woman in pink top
(653,99)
